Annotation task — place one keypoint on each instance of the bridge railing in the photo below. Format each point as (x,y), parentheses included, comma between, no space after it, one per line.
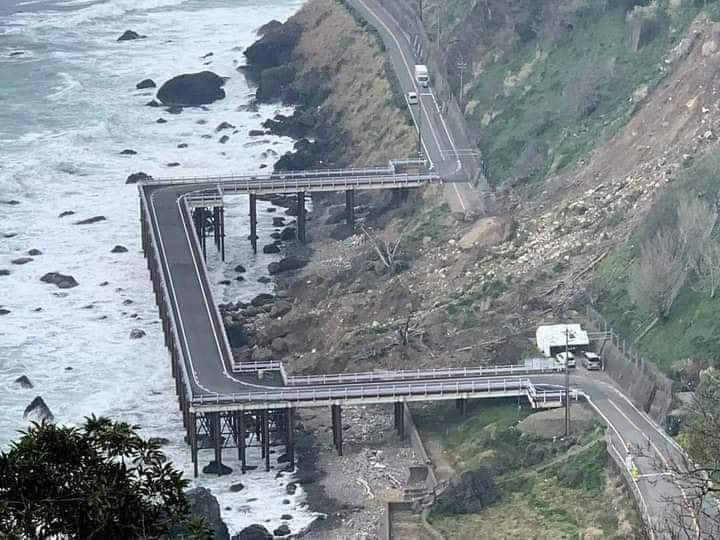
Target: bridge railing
(433,373)
(505,386)
(208,179)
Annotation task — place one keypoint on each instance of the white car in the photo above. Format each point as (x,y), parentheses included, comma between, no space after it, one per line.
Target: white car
(592,361)
(566,359)
(412,98)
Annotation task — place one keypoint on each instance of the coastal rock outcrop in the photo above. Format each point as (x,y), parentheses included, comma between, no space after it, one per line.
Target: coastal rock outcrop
(286,265)
(468,493)
(137,333)
(129,35)
(38,411)
(23,382)
(253,532)
(62,281)
(203,504)
(192,89)
(145,83)
(134,178)
(119,249)
(91,220)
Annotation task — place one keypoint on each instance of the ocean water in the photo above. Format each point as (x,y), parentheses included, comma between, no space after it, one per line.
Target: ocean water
(68,106)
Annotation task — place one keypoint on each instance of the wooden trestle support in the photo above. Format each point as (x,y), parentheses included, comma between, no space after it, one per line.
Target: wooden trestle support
(210,218)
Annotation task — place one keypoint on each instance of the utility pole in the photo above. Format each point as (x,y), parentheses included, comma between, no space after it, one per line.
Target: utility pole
(567,383)
(420,9)
(462,66)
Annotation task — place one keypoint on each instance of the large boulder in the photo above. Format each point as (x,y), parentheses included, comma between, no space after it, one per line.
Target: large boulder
(192,89)
(253,532)
(468,493)
(60,280)
(286,265)
(203,504)
(23,382)
(274,82)
(38,411)
(262,299)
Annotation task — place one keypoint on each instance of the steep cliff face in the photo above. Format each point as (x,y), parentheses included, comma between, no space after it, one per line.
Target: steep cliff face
(325,63)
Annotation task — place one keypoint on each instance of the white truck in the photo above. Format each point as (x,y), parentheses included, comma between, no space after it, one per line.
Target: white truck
(552,339)
(421,75)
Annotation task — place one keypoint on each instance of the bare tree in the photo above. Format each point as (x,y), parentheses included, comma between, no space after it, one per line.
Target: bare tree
(695,222)
(707,268)
(386,249)
(659,275)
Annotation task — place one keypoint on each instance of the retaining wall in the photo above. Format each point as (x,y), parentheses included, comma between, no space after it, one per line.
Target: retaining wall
(649,389)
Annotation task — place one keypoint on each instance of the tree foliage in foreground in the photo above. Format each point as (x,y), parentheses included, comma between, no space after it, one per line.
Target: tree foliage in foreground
(97,481)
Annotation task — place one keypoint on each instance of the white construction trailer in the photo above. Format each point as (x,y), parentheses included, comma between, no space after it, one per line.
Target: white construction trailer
(551,339)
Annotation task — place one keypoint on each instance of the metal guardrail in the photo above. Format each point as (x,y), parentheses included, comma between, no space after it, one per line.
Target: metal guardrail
(166,295)
(435,373)
(367,171)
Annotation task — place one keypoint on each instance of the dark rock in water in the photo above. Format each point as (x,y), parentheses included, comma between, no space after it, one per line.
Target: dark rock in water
(224,282)
(4,272)
(203,504)
(23,382)
(161,121)
(17,53)
(239,278)
(4,311)
(271,248)
(192,89)
(208,55)
(174,110)
(264,279)
(253,532)
(127,302)
(38,411)
(160,441)
(34,252)
(282,530)
(119,249)
(237,487)
(274,48)
(128,152)
(224,139)
(213,468)
(286,517)
(105,284)
(9,235)
(201,122)
(66,213)
(275,236)
(240,268)
(284,458)
(206,136)
(262,299)
(252,107)
(173,164)
(263,165)
(68,368)
(60,280)
(138,177)
(286,501)
(224,125)
(11,202)
(129,35)
(267,27)
(22,260)
(291,488)
(137,333)
(153,103)
(90,221)
(256,133)
(182,145)
(288,234)
(145,83)
(271,210)
(469,493)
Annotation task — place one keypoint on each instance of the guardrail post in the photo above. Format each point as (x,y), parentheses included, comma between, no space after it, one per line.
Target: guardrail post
(301,217)
(253,222)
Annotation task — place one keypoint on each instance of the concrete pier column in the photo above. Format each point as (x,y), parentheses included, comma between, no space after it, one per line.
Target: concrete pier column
(350,208)
(266,438)
(241,440)
(461,406)
(400,419)
(217,439)
(193,443)
(253,222)
(302,236)
(396,197)
(290,437)
(336,411)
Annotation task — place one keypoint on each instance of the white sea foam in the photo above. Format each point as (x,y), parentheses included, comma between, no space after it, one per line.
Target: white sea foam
(63,122)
